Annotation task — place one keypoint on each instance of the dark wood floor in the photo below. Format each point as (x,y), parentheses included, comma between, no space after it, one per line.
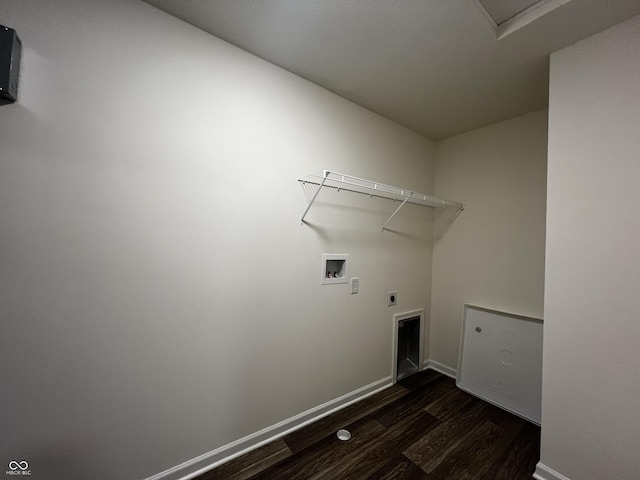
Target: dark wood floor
(422,428)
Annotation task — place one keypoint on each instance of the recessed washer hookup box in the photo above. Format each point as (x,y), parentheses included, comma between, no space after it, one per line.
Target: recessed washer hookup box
(10,50)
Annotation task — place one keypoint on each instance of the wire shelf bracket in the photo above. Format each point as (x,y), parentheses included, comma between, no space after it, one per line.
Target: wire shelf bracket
(349,183)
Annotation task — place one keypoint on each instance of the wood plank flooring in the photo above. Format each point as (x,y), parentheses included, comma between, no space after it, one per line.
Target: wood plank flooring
(422,428)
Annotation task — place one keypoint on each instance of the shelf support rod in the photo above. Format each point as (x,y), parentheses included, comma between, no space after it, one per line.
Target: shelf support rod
(460,209)
(397,210)
(313,199)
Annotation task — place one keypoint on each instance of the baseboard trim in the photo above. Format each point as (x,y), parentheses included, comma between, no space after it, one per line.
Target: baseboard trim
(441,367)
(545,473)
(208,461)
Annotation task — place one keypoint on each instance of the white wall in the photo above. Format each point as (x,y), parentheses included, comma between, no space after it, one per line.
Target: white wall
(159,297)
(591,392)
(492,255)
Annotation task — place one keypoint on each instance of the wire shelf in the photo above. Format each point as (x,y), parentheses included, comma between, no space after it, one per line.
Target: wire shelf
(342,181)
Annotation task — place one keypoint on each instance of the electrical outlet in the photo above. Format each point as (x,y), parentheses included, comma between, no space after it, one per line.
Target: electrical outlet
(355,284)
(392,299)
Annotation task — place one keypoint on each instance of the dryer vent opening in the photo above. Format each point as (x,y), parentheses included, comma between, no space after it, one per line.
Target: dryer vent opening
(408,357)
(408,343)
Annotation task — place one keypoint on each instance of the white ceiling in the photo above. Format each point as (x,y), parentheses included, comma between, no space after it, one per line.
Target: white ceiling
(434,66)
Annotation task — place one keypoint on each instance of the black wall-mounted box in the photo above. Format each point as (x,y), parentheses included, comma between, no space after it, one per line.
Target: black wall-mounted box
(10,49)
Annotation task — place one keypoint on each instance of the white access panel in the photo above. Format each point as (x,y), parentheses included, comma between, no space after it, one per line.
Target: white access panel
(501,360)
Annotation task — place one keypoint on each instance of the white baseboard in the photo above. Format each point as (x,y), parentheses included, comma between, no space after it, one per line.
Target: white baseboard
(441,367)
(545,473)
(199,465)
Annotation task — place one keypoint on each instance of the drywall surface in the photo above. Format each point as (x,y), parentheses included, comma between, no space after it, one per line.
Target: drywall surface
(159,297)
(492,254)
(590,389)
